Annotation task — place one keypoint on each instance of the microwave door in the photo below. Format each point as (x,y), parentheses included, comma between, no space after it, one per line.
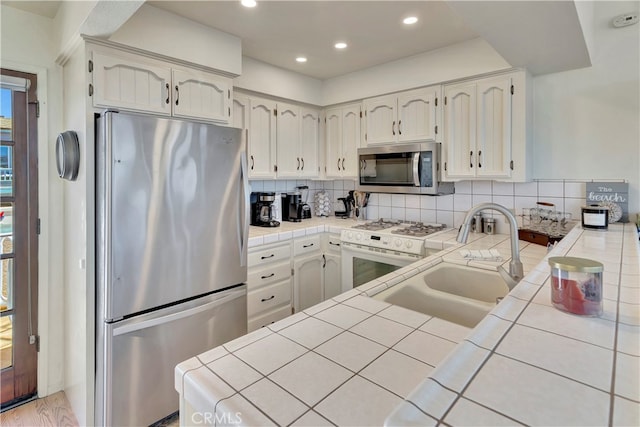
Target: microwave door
(416,169)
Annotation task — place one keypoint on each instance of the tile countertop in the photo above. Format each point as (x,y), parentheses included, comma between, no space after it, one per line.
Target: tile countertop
(353,360)
(288,230)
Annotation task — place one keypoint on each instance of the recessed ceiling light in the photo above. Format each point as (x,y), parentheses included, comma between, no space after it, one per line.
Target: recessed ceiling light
(248,3)
(340,45)
(301,59)
(410,20)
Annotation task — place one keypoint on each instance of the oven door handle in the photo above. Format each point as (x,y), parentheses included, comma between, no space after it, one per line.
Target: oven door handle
(347,247)
(416,171)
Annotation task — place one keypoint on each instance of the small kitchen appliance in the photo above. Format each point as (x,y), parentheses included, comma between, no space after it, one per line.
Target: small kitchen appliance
(263,209)
(404,168)
(343,208)
(292,207)
(306,209)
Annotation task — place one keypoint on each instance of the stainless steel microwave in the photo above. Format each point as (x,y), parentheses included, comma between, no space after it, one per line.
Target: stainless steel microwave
(402,168)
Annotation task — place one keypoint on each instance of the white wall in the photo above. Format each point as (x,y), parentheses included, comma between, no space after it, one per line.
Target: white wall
(79,274)
(28,45)
(187,40)
(265,78)
(449,63)
(586,122)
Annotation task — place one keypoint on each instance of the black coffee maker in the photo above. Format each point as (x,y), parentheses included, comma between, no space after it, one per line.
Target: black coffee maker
(262,209)
(292,207)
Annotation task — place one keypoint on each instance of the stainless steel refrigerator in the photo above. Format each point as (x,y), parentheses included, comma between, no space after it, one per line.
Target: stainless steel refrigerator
(172,218)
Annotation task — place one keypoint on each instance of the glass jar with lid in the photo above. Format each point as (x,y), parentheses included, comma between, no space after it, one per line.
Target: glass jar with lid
(576,285)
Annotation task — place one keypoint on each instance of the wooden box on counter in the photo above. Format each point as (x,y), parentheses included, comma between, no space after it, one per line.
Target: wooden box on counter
(538,237)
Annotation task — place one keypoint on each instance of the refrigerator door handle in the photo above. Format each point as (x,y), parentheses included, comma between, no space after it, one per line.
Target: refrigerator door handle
(176,316)
(244,219)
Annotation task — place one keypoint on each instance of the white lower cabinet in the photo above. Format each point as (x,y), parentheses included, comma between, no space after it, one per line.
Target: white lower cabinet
(307,272)
(332,266)
(273,293)
(268,285)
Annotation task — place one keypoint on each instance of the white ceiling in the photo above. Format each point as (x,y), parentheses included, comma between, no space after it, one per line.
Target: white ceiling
(43,8)
(277,32)
(542,36)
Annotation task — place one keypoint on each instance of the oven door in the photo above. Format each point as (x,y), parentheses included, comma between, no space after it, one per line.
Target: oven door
(362,264)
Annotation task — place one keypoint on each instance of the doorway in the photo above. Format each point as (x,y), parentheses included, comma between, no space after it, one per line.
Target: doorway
(18,237)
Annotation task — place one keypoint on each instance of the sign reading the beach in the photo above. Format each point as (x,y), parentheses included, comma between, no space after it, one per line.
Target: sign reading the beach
(614,195)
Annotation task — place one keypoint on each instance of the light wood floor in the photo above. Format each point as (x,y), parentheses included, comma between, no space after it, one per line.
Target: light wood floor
(53,410)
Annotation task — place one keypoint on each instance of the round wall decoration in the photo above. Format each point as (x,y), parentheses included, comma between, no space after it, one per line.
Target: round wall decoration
(68,155)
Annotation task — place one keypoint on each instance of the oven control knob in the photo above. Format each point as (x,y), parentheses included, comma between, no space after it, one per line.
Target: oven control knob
(350,235)
(398,242)
(359,236)
(408,244)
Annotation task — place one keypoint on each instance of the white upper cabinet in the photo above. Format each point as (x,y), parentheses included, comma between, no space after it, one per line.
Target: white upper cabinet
(342,139)
(309,142)
(201,96)
(460,130)
(282,138)
(418,114)
(297,141)
(410,116)
(119,81)
(288,140)
(487,129)
(261,146)
(133,82)
(381,120)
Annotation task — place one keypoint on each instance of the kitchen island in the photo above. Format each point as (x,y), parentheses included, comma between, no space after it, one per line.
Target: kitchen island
(353,360)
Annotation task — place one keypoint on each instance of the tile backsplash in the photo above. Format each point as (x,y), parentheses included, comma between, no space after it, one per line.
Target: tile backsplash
(566,195)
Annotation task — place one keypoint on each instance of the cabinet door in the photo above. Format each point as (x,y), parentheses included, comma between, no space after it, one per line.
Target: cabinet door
(493,140)
(262,136)
(307,281)
(121,82)
(240,112)
(381,120)
(309,137)
(460,130)
(417,115)
(332,278)
(288,140)
(333,142)
(350,141)
(201,95)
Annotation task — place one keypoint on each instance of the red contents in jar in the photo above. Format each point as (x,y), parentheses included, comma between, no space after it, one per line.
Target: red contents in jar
(578,298)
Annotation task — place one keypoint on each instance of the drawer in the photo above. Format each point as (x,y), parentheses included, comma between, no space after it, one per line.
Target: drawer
(268,298)
(272,253)
(257,278)
(306,245)
(268,318)
(332,243)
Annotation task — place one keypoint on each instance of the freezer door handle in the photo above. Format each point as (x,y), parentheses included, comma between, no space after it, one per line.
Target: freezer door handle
(244,219)
(176,316)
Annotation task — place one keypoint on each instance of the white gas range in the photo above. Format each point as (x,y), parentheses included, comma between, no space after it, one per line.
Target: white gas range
(375,248)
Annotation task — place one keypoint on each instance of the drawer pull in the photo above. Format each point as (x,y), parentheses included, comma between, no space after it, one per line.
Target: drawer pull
(266,277)
(270,256)
(334,244)
(267,299)
(307,246)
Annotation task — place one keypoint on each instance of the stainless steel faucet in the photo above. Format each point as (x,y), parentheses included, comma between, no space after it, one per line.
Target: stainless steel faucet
(516,272)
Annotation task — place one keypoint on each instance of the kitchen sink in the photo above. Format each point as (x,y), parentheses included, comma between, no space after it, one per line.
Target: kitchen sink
(459,294)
